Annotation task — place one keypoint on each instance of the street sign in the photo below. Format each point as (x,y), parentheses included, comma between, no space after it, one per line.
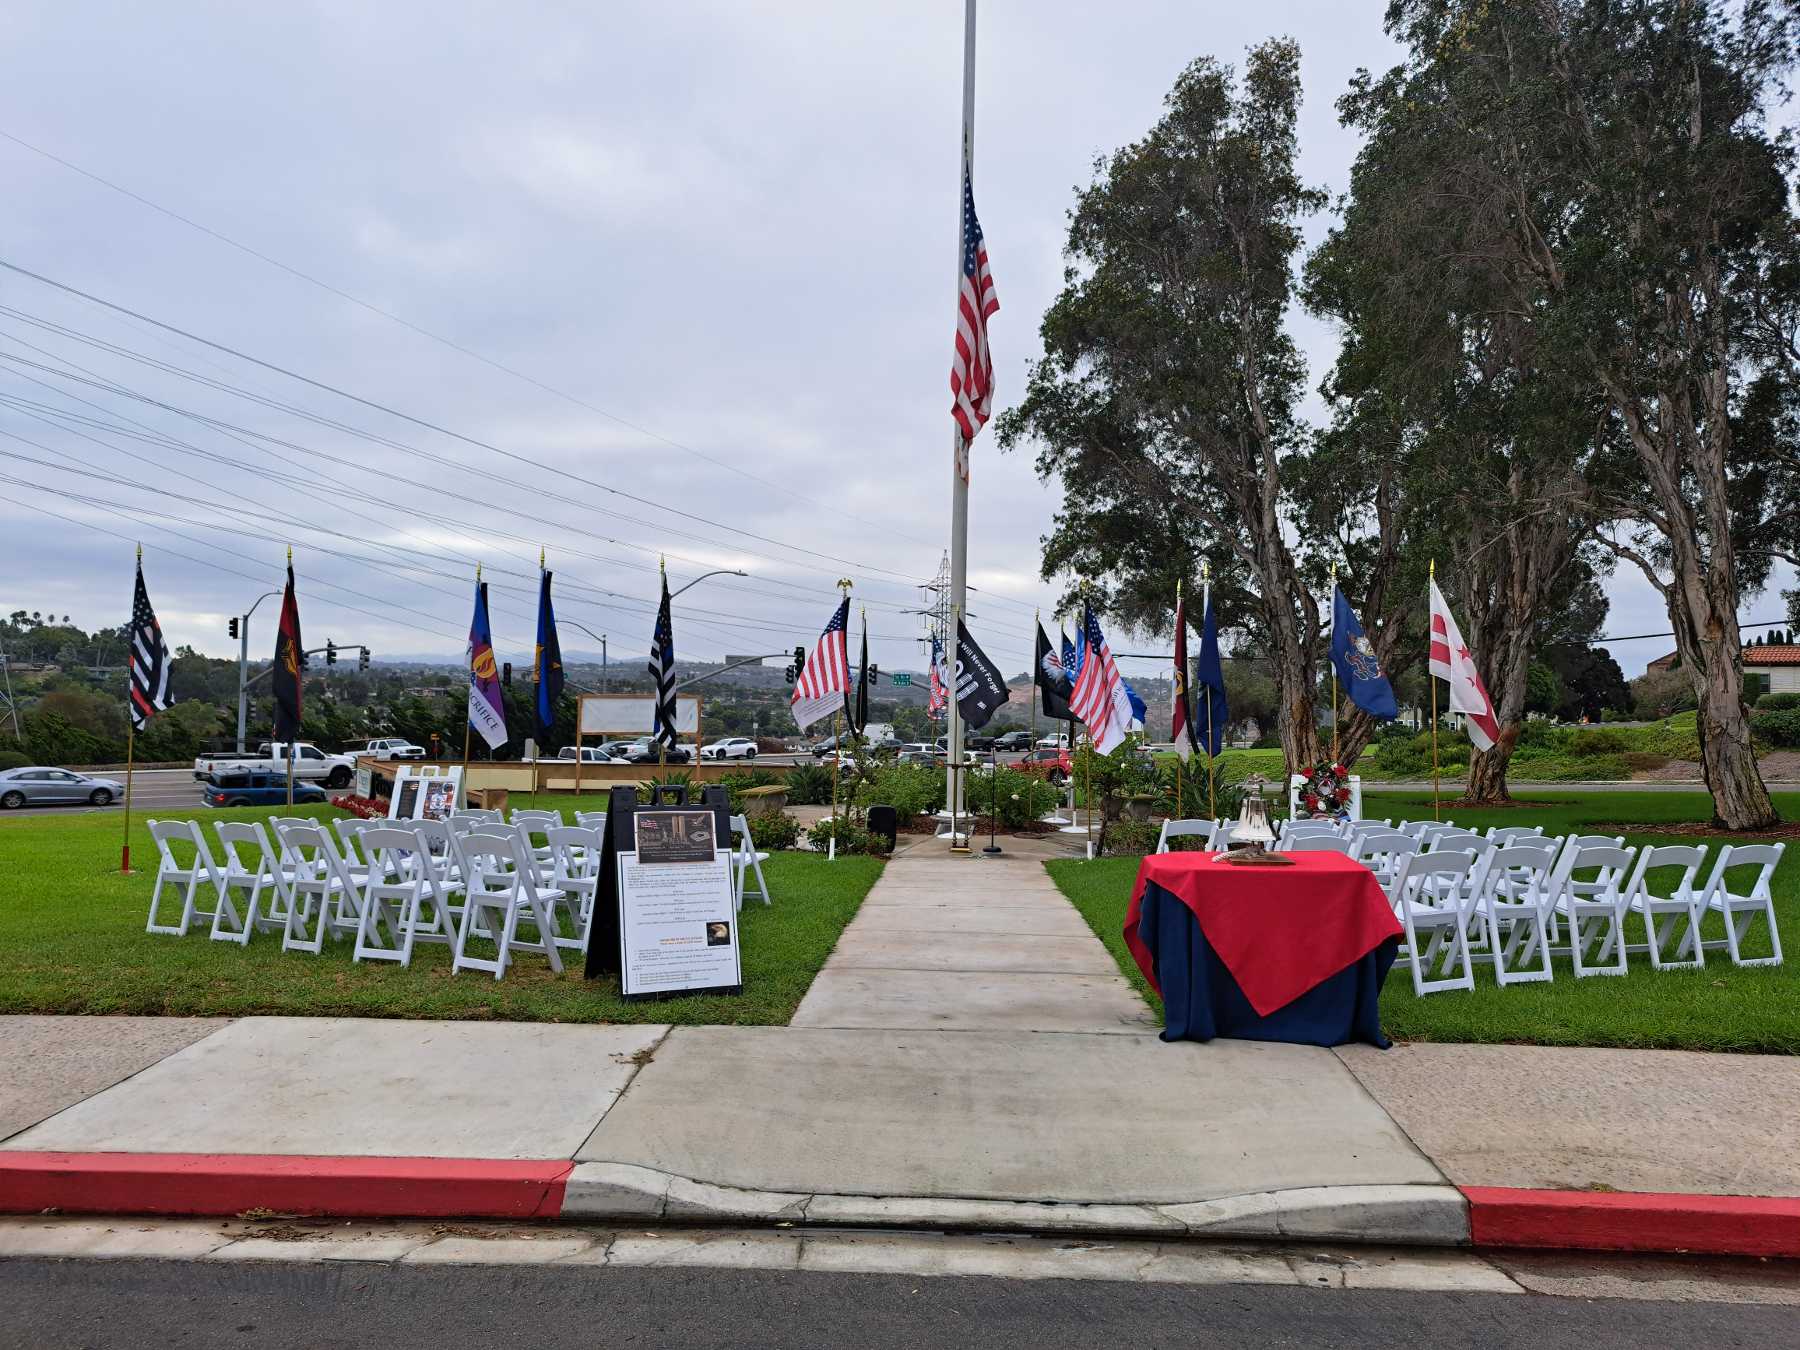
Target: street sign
(902,677)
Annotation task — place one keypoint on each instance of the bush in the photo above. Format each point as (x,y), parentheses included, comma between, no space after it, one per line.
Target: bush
(1591,744)
(809,785)
(1783,702)
(773,830)
(12,759)
(736,784)
(851,837)
(1778,729)
(1129,838)
(1017,798)
(911,789)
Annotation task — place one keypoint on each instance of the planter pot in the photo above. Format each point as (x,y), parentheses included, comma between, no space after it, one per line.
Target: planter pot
(1138,808)
(768,800)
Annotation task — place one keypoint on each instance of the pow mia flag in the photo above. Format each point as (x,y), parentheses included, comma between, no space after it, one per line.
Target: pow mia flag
(980,687)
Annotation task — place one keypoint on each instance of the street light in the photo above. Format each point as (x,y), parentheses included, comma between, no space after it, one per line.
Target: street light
(722,572)
(244,665)
(598,637)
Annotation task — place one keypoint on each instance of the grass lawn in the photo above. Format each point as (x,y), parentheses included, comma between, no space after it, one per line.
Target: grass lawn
(1717,1008)
(72,940)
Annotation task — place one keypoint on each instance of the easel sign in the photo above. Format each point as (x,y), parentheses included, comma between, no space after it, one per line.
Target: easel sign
(678,929)
(425,792)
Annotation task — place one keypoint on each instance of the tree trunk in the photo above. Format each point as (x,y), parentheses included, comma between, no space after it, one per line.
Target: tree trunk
(1727,757)
(1487,770)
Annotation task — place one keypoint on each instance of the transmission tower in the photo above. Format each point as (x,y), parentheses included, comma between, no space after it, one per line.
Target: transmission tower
(936,611)
(9,710)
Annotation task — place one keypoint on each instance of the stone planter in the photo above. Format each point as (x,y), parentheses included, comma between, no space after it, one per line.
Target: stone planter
(767,800)
(1138,807)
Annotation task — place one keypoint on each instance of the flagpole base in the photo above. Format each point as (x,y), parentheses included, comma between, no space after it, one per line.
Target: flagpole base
(993,849)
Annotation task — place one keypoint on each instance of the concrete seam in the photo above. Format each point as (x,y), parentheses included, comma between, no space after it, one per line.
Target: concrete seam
(1337,1054)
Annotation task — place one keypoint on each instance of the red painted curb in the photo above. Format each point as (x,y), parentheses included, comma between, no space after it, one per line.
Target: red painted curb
(1634,1221)
(223,1184)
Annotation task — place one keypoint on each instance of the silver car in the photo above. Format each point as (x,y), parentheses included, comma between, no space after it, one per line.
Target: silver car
(55,787)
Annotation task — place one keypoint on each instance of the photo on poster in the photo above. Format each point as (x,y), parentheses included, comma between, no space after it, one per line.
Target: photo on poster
(718,935)
(675,836)
(440,799)
(406,799)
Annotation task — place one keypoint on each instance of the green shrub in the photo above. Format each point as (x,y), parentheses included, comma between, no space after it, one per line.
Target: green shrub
(1018,798)
(1539,733)
(13,759)
(851,837)
(1784,702)
(809,785)
(1643,761)
(911,789)
(774,830)
(736,784)
(1677,737)
(1129,838)
(1778,729)
(1597,742)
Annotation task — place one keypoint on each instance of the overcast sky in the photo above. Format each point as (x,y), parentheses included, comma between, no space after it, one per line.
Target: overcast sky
(728,229)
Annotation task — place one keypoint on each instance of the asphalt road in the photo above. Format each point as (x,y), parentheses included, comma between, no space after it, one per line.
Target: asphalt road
(95,1304)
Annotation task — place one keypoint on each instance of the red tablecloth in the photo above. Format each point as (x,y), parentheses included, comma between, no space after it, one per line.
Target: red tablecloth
(1279,930)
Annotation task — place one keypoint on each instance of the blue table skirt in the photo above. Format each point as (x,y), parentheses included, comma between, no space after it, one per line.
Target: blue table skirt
(1201,1000)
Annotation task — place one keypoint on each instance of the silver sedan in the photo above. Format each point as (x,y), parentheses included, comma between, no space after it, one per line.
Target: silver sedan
(55,787)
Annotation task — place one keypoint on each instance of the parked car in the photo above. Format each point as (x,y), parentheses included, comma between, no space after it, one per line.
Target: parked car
(254,788)
(823,748)
(732,747)
(389,747)
(590,754)
(1049,762)
(1013,740)
(646,751)
(972,741)
(1056,741)
(613,750)
(37,786)
(311,764)
(918,755)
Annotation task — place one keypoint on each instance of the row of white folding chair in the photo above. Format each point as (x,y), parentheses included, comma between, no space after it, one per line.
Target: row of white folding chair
(1673,944)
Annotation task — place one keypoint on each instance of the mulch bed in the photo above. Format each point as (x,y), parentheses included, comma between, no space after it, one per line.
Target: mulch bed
(1787,829)
(971,825)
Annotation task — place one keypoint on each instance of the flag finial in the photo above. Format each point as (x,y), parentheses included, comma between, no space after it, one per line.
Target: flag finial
(290,555)
(1205,571)
(844,585)
(662,564)
(1434,569)
(478,571)
(1178,590)
(140,549)
(540,557)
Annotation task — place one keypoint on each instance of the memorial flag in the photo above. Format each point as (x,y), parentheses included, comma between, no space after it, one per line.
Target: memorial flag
(823,687)
(859,714)
(940,687)
(1099,697)
(1181,718)
(149,685)
(487,712)
(980,687)
(972,369)
(662,673)
(1052,678)
(548,662)
(1358,668)
(1211,714)
(1451,660)
(285,677)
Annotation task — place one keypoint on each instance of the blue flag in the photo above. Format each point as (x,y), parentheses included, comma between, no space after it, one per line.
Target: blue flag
(548,661)
(1358,669)
(1210,711)
(1138,711)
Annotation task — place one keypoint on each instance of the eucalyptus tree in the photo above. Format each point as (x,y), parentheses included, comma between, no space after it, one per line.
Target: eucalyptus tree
(1601,177)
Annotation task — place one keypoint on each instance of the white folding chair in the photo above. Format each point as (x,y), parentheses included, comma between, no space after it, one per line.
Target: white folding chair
(1663,914)
(500,886)
(250,864)
(1424,829)
(1456,841)
(1224,833)
(1382,852)
(1512,901)
(575,876)
(1507,835)
(1594,906)
(349,828)
(1293,831)
(1758,899)
(398,888)
(192,876)
(591,820)
(461,822)
(1203,830)
(745,860)
(321,879)
(1429,898)
(1317,843)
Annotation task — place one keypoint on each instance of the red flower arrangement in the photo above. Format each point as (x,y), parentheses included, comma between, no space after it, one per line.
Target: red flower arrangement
(1326,790)
(369,808)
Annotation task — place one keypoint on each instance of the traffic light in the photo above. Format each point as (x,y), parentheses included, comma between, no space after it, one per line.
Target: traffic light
(233,627)
(330,652)
(874,673)
(788,674)
(506,674)
(306,660)
(799,661)
(362,661)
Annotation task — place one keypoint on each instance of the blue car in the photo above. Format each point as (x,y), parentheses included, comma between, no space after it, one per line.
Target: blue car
(255,789)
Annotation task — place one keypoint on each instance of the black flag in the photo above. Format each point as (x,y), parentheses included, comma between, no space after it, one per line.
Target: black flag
(1051,678)
(859,711)
(980,687)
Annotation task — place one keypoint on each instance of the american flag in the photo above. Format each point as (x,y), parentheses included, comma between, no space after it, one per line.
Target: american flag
(824,683)
(662,672)
(149,658)
(972,372)
(1099,700)
(940,687)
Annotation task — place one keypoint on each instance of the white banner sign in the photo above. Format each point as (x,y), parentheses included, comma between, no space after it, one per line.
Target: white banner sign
(635,714)
(677,924)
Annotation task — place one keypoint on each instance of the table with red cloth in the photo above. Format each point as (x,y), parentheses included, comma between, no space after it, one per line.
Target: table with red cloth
(1293,953)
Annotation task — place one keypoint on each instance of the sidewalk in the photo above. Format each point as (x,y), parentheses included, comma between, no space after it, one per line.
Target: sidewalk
(969,1058)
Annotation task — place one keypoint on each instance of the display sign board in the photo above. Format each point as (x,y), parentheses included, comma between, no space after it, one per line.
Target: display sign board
(677,925)
(425,791)
(365,781)
(635,714)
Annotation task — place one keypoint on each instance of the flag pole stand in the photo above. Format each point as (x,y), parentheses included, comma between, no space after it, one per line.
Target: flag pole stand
(993,801)
(130,759)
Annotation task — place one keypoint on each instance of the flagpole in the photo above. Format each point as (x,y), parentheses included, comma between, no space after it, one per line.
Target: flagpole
(1212,805)
(299,687)
(959,484)
(1334,677)
(1038,616)
(467,725)
(1431,679)
(1180,693)
(130,745)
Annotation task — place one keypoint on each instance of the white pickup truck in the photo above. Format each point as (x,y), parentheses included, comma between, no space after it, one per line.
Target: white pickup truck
(389,747)
(311,764)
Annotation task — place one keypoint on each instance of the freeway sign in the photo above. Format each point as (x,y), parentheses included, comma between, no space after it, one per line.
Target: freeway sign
(902,677)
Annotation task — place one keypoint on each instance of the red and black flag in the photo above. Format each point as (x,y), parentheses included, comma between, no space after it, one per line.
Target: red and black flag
(288,671)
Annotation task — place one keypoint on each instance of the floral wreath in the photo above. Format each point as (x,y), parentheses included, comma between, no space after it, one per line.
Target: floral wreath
(1327,789)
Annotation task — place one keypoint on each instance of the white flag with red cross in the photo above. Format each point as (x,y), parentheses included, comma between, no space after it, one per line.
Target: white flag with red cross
(1451,660)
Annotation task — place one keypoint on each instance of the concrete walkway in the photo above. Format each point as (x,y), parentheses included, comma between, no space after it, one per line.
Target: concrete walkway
(948,943)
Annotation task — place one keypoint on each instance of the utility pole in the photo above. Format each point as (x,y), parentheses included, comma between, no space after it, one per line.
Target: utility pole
(9,710)
(241,626)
